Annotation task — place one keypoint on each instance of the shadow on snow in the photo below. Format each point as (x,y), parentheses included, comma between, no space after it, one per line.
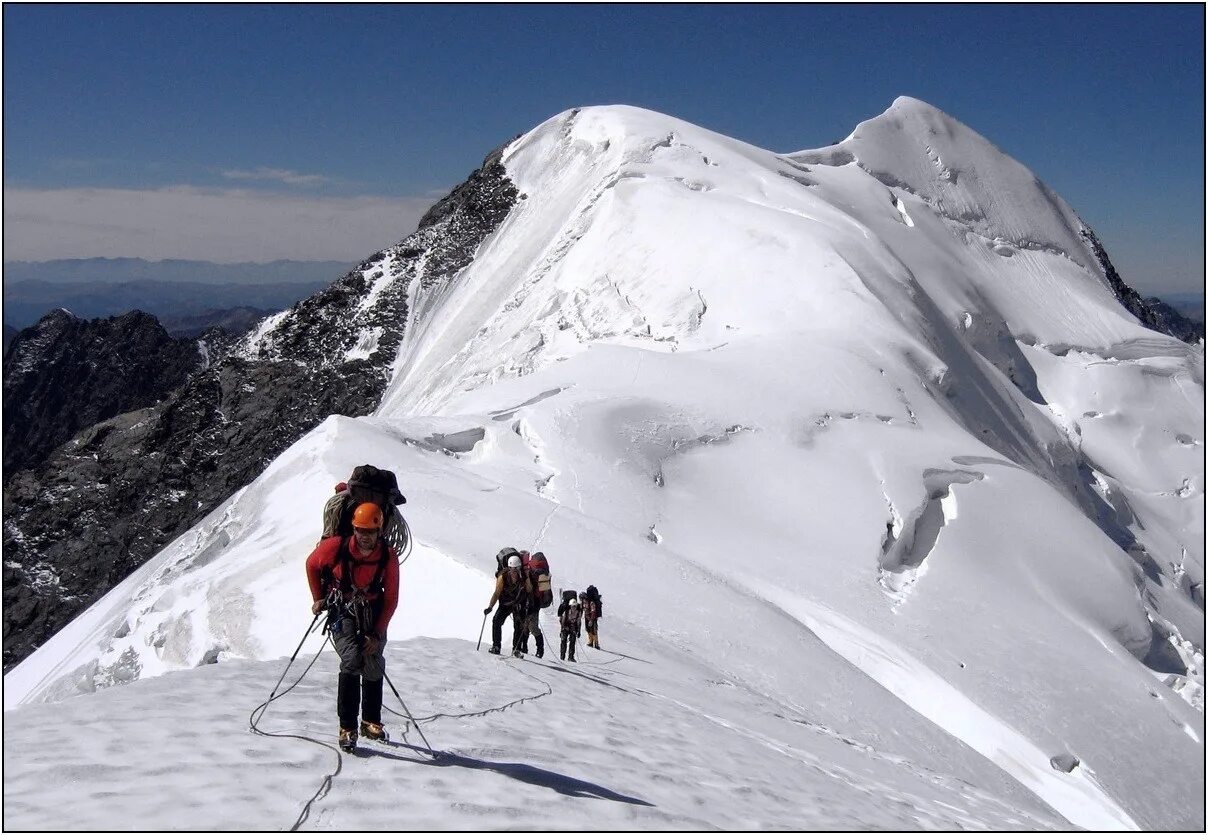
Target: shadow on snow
(561,783)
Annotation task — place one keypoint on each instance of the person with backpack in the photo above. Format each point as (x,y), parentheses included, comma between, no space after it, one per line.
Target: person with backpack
(356,579)
(513,589)
(367,484)
(568,618)
(593,610)
(536,567)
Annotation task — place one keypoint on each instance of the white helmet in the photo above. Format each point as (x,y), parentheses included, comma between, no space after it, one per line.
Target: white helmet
(514,561)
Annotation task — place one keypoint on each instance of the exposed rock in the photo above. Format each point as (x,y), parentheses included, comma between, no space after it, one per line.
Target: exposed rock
(112,497)
(1153,313)
(65,373)
(1064,762)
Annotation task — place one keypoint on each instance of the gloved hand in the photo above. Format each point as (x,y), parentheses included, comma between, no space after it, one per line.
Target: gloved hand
(318,606)
(487,610)
(371,644)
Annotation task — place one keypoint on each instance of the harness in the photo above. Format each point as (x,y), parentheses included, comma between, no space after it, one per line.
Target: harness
(514,592)
(346,599)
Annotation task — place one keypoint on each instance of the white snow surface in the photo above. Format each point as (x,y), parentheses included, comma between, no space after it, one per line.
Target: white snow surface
(889,500)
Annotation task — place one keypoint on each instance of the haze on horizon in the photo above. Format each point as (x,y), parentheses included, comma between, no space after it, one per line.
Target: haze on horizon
(246,133)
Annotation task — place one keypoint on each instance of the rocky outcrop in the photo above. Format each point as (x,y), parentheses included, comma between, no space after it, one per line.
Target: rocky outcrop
(1153,313)
(64,374)
(113,496)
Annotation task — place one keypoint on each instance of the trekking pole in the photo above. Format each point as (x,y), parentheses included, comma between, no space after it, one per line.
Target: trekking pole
(480,631)
(407,711)
(273,695)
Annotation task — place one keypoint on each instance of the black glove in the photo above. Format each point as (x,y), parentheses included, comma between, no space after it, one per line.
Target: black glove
(487,611)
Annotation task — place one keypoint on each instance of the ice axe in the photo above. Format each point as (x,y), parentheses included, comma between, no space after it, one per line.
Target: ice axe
(480,631)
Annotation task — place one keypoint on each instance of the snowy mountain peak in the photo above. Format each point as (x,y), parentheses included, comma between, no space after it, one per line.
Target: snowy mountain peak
(918,148)
(856,440)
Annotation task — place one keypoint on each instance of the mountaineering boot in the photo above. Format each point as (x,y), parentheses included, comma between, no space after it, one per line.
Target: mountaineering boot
(348,740)
(540,646)
(516,653)
(494,650)
(372,730)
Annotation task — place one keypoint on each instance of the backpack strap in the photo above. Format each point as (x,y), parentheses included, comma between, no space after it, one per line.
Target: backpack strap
(379,575)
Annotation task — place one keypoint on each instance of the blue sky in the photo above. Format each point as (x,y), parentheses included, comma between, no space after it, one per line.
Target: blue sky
(363,109)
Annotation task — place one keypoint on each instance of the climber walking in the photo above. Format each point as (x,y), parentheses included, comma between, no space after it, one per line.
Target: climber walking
(536,568)
(513,590)
(593,610)
(356,579)
(568,618)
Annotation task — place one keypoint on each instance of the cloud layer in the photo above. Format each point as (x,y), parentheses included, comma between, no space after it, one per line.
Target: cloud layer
(278,175)
(223,225)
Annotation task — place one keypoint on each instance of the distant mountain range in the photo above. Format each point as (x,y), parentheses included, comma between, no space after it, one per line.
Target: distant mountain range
(120,270)
(99,287)
(1190,305)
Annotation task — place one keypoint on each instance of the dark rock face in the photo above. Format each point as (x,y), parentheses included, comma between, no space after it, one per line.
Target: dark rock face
(112,497)
(64,374)
(1154,314)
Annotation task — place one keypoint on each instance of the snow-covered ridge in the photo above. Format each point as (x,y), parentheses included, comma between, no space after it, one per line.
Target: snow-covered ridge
(917,148)
(779,409)
(607,182)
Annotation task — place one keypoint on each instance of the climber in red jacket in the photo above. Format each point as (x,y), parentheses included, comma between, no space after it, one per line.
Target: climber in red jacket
(356,579)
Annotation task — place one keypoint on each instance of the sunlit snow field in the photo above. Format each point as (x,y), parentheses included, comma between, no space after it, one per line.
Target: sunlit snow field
(891,504)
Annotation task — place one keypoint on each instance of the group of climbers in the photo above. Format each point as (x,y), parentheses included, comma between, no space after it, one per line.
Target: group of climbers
(353,575)
(522,590)
(577,610)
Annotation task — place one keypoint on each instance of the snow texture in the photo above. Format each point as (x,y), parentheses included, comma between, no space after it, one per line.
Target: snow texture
(898,516)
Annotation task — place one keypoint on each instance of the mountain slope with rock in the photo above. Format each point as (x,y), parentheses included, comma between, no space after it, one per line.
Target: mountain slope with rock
(126,487)
(65,374)
(864,434)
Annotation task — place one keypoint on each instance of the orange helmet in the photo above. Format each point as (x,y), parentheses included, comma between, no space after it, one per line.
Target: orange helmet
(367,516)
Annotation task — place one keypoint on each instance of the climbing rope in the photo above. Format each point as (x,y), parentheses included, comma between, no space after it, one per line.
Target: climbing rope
(258,713)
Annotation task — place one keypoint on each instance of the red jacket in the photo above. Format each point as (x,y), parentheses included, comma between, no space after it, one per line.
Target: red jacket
(326,557)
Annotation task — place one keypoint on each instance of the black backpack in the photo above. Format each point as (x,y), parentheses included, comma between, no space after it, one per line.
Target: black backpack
(367,484)
(370,479)
(501,559)
(593,594)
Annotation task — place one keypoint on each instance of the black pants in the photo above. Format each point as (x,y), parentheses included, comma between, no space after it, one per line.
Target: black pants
(361,673)
(569,638)
(502,614)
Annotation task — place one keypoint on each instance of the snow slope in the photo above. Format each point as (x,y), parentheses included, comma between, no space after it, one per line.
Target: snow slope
(855,440)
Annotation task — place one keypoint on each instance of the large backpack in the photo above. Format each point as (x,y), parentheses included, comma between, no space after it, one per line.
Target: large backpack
(368,478)
(372,484)
(593,594)
(501,559)
(537,567)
